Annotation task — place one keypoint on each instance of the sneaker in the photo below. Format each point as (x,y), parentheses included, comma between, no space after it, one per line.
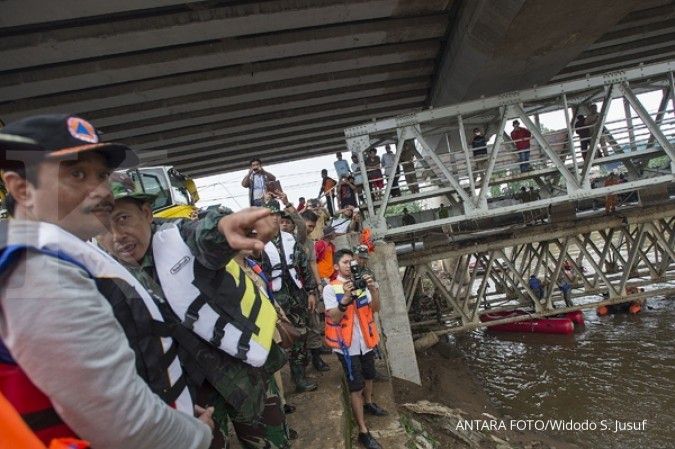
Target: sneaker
(374,409)
(369,441)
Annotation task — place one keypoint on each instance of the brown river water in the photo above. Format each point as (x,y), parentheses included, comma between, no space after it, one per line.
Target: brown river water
(615,376)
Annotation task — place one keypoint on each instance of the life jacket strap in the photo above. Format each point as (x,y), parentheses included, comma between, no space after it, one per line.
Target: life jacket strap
(170,394)
(192,313)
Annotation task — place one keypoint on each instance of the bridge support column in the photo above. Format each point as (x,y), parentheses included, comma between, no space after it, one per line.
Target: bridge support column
(397,339)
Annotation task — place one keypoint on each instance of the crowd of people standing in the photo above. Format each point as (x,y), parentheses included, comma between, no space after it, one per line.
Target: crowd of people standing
(121,330)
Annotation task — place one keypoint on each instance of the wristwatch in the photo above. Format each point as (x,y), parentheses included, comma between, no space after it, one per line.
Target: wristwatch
(342,307)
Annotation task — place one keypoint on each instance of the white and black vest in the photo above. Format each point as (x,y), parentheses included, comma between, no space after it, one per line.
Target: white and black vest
(224,307)
(275,253)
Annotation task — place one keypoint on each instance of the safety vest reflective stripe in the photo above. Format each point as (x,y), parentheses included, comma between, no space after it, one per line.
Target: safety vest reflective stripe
(241,322)
(339,335)
(288,245)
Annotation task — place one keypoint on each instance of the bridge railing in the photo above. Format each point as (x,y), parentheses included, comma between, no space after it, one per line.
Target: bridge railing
(437,160)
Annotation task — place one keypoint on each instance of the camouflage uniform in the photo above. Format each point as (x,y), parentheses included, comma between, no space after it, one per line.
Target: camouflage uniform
(246,394)
(293,299)
(315,334)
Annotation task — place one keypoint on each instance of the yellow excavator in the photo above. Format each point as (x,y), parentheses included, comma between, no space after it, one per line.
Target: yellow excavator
(176,193)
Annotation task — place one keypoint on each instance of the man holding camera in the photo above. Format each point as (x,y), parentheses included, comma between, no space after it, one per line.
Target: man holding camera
(351,301)
(256,181)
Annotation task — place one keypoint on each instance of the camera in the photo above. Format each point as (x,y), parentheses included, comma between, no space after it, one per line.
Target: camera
(357,276)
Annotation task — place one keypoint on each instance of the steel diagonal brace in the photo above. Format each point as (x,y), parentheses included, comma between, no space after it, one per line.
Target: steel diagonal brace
(428,151)
(402,135)
(667,93)
(642,253)
(632,258)
(597,134)
(493,155)
(572,183)
(358,145)
(448,297)
(570,135)
(651,125)
(465,150)
(612,291)
(537,305)
(663,243)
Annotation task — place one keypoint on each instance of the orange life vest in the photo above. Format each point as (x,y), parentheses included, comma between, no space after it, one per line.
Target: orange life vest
(33,406)
(14,433)
(339,335)
(325,265)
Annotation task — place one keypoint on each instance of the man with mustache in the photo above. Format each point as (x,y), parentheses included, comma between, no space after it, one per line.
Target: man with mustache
(190,265)
(64,360)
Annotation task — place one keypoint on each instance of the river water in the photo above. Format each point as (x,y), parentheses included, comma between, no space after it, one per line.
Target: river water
(615,368)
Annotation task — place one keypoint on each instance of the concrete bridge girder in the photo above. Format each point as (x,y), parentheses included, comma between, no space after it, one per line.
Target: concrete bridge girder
(210,55)
(328,99)
(496,38)
(277,90)
(130,35)
(259,73)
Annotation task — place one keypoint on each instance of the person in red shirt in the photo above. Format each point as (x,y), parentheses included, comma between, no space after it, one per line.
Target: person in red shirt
(301,204)
(521,138)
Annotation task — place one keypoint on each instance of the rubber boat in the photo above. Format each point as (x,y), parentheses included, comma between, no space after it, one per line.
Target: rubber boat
(563,325)
(632,308)
(577,317)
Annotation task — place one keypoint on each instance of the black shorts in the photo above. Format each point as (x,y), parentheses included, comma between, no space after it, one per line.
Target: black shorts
(363,368)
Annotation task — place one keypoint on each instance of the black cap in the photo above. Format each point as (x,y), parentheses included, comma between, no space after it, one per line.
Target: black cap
(56,136)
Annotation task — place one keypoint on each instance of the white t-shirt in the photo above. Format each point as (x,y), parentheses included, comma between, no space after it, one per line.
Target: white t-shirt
(341,224)
(388,160)
(258,183)
(358,179)
(341,168)
(358,345)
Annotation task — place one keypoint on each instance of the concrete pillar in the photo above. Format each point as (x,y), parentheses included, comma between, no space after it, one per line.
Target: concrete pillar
(397,339)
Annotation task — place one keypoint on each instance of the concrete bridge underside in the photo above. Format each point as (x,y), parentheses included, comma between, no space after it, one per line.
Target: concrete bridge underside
(204,85)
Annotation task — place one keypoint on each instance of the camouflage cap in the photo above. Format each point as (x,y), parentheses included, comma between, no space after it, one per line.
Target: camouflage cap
(123,186)
(273,205)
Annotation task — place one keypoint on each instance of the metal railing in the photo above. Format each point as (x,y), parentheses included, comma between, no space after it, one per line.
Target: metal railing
(444,162)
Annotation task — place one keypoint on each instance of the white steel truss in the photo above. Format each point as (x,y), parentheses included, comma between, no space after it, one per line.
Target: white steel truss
(604,263)
(564,169)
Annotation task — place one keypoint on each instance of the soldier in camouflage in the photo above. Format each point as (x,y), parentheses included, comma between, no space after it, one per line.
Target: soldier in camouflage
(246,395)
(296,302)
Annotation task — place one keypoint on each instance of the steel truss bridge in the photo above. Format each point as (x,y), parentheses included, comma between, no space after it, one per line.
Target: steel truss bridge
(615,258)
(609,261)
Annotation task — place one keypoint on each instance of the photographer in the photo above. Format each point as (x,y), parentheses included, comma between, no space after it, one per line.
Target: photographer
(351,301)
(256,181)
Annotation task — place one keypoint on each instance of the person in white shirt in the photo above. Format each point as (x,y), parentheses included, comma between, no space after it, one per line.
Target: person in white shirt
(341,166)
(352,333)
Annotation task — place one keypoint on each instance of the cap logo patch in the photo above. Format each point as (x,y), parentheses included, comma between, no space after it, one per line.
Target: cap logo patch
(82,130)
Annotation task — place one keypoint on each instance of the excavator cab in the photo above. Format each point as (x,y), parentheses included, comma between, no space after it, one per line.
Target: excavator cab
(176,194)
